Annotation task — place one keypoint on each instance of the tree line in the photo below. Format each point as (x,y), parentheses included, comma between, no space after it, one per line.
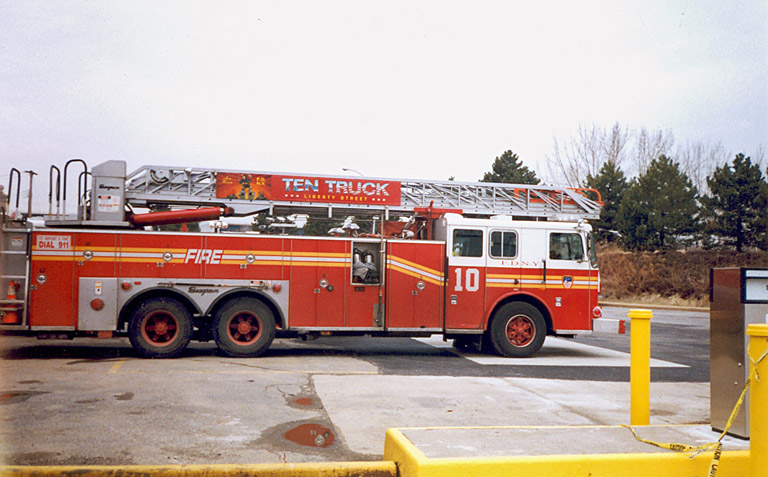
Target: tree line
(662,207)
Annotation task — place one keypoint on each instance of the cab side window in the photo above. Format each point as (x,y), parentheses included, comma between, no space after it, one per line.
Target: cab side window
(503,244)
(467,243)
(564,246)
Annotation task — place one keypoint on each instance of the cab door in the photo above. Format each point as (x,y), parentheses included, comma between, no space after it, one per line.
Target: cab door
(568,280)
(465,291)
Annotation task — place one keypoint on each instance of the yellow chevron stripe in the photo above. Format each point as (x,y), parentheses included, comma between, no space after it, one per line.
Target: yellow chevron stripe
(414,265)
(411,273)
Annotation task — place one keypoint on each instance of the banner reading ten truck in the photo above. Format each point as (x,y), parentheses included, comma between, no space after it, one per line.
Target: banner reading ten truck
(343,190)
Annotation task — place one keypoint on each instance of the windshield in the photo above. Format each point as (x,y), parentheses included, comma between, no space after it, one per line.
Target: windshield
(591,250)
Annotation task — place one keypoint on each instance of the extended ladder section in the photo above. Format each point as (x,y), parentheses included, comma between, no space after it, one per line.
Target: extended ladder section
(251,192)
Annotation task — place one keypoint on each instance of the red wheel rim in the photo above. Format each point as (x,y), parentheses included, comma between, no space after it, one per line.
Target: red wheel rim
(520,330)
(160,328)
(244,328)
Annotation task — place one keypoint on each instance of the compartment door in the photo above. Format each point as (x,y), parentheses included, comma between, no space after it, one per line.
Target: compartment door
(415,285)
(319,272)
(51,297)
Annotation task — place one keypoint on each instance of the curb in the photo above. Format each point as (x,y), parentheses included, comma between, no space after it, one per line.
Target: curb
(329,469)
(654,307)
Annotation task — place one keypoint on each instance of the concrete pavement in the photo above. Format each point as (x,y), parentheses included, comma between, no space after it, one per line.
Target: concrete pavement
(92,402)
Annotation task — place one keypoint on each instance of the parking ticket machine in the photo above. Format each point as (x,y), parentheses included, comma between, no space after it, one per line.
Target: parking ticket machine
(738,297)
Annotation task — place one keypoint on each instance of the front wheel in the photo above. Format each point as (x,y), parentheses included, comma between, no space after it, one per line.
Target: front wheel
(518,330)
(160,328)
(244,327)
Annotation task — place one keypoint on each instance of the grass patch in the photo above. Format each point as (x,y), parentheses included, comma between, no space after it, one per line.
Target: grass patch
(668,277)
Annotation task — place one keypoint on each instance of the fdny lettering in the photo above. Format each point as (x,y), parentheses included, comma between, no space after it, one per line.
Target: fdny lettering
(333,186)
(203,255)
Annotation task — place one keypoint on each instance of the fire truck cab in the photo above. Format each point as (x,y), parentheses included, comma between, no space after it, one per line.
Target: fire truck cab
(524,276)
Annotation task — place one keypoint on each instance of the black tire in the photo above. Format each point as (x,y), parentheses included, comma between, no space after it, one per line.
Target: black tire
(244,327)
(160,328)
(518,330)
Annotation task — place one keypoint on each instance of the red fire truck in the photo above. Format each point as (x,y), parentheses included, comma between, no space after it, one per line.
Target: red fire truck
(500,265)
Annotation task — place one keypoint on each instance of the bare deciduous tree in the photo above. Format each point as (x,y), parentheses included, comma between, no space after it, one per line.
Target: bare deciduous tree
(650,145)
(699,159)
(585,154)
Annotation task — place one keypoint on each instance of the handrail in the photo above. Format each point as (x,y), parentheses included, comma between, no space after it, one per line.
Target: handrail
(66,166)
(18,187)
(82,191)
(50,190)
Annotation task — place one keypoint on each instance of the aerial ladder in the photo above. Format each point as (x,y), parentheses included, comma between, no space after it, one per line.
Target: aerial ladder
(242,193)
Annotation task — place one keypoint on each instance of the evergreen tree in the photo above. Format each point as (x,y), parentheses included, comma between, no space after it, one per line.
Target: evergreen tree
(611,184)
(659,207)
(509,168)
(736,206)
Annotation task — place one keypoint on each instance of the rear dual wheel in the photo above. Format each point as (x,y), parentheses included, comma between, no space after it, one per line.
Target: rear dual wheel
(244,327)
(160,328)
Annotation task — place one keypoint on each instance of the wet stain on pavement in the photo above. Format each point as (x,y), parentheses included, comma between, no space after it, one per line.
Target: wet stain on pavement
(14,397)
(302,401)
(311,435)
(307,437)
(124,396)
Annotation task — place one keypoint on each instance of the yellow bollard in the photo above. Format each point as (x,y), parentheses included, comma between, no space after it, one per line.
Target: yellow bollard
(758,401)
(640,370)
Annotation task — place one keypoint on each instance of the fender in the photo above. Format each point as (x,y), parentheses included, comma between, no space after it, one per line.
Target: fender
(155,291)
(280,317)
(523,296)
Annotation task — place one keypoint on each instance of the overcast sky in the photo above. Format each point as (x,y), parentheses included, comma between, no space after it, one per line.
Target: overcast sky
(412,89)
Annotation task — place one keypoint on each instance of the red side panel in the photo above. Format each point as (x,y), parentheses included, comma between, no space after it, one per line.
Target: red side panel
(250,258)
(319,271)
(52,297)
(415,285)
(173,256)
(102,248)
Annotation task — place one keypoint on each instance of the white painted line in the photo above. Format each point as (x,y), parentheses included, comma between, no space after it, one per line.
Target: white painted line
(555,352)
